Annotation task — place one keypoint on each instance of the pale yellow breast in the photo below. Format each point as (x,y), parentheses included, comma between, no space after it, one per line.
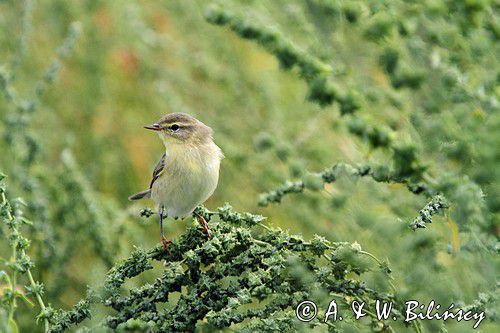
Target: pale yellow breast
(188,179)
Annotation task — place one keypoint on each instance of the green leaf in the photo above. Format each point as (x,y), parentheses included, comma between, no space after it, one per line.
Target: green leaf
(3,274)
(13,326)
(26,300)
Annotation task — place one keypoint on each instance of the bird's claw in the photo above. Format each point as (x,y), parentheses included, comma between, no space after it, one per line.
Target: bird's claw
(165,245)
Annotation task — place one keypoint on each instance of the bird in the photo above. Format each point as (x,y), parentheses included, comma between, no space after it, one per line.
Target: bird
(187,174)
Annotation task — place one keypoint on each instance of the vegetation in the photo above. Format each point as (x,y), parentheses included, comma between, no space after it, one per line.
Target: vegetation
(397,102)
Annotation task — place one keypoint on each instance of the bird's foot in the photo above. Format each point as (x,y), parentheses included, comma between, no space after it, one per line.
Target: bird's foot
(165,245)
(204,225)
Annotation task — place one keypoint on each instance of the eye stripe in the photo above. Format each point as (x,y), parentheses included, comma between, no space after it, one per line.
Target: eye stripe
(169,125)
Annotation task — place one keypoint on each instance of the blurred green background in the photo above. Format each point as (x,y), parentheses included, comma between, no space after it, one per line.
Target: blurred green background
(73,142)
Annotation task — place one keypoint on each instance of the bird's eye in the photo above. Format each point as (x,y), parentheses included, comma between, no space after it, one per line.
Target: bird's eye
(174,127)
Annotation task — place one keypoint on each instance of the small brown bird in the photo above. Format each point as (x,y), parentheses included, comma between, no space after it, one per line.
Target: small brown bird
(187,173)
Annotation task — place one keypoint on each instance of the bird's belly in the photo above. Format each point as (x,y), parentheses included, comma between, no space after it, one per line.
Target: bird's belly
(180,192)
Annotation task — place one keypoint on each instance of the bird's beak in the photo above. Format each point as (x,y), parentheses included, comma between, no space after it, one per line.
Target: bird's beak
(154,127)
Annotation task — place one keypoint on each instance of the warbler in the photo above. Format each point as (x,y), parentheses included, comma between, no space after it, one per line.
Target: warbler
(187,173)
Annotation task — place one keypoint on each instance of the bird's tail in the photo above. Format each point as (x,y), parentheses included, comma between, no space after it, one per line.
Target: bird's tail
(140,195)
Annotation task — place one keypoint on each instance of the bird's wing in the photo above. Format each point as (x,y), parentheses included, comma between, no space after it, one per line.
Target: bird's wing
(140,195)
(158,170)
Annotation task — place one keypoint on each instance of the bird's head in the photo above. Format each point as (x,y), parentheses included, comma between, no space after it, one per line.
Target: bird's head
(181,128)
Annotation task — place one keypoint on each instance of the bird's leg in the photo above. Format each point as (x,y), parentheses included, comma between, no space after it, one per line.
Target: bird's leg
(165,244)
(203,223)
